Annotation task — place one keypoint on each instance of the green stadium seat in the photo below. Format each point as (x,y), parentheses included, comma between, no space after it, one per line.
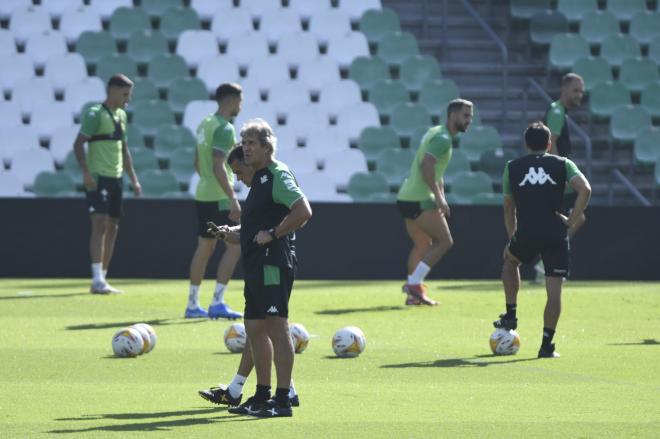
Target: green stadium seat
(436,94)
(156,183)
(406,118)
(367,71)
(143,159)
(394,164)
(624,10)
(135,138)
(651,99)
(654,50)
(627,121)
(156,8)
(416,137)
(124,21)
(95,45)
(164,69)
(524,9)
(646,148)
(373,140)
(382,197)
(478,139)
(487,198)
(387,94)
(172,137)
(183,195)
(598,25)
(493,162)
(176,20)
(149,116)
(467,185)
(51,184)
(362,186)
(607,96)
(417,70)
(144,90)
(375,24)
(145,44)
(645,26)
(459,162)
(593,70)
(109,65)
(545,25)
(72,168)
(576,10)
(396,47)
(182,164)
(183,90)
(566,49)
(618,47)
(637,73)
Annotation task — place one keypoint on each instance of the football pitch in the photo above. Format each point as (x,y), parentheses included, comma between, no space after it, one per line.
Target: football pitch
(426,372)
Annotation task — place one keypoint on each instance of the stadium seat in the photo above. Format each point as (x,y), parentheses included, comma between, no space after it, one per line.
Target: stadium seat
(149,116)
(143,159)
(646,148)
(315,74)
(598,25)
(356,117)
(9,6)
(46,118)
(375,25)
(95,45)
(637,73)
(645,26)
(326,142)
(10,114)
(575,11)
(566,49)
(144,89)
(654,50)
(172,137)
(407,117)
(52,184)
(90,89)
(206,9)
(306,9)
(115,63)
(394,164)
(324,24)
(229,21)
(524,9)
(301,160)
(363,185)
(459,163)
(593,70)
(492,162)
(196,111)
(134,137)
(11,185)
(258,8)
(156,8)
(478,139)
(367,71)
(72,168)
(651,99)
(176,20)
(196,45)
(287,95)
(164,69)
(336,95)
(213,71)
(467,185)
(266,111)
(627,121)
(105,8)
(657,173)
(269,71)
(297,47)
(417,70)
(355,10)
(341,165)
(25,21)
(304,118)
(436,94)
(243,48)
(416,138)
(618,47)
(78,20)
(17,138)
(487,198)
(396,47)
(27,163)
(7,43)
(145,44)
(387,94)
(125,20)
(183,90)
(373,140)
(31,92)
(42,45)
(278,22)
(317,186)
(181,163)
(16,67)
(624,10)
(156,183)
(62,70)
(606,96)
(545,25)
(344,48)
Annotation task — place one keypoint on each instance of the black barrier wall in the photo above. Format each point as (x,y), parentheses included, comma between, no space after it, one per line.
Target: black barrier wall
(49,238)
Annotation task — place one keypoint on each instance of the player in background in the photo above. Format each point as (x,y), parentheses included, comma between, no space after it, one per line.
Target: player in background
(215,201)
(533,188)
(103,128)
(422,202)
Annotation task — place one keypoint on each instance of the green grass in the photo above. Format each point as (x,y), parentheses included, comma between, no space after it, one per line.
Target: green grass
(426,372)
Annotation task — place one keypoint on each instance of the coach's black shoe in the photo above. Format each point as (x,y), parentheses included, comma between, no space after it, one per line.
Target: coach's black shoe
(295,401)
(220,395)
(548,352)
(247,408)
(506,323)
(270,409)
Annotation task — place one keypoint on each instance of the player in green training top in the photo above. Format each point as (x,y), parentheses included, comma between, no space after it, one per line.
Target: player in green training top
(533,188)
(215,201)
(422,202)
(104,130)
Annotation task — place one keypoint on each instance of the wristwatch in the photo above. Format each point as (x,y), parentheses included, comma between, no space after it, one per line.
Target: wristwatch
(271,232)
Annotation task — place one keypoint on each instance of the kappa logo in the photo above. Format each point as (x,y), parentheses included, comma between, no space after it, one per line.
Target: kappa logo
(272,310)
(264,179)
(537,177)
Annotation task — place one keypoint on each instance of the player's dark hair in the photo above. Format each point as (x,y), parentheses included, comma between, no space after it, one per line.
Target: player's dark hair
(226,90)
(236,154)
(568,78)
(119,80)
(537,136)
(457,105)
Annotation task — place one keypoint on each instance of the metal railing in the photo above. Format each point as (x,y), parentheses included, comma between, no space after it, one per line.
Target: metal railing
(628,184)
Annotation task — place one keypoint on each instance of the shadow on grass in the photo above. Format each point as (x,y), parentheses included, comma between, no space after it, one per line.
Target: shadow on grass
(238,354)
(43,296)
(156,322)
(481,287)
(200,411)
(644,342)
(461,362)
(334,312)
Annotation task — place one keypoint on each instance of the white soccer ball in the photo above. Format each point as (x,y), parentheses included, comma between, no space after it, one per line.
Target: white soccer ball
(127,342)
(504,342)
(349,342)
(235,337)
(153,338)
(146,338)
(299,337)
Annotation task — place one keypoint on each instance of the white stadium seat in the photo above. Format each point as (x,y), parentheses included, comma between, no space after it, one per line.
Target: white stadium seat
(32,92)
(341,165)
(55,8)
(196,111)
(42,45)
(26,21)
(346,47)
(251,93)
(17,138)
(7,43)
(317,186)
(218,69)
(10,114)
(287,95)
(299,160)
(245,47)
(278,22)
(206,9)
(306,8)
(62,70)
(27,163)
(355,9)
(7,7)
(11,185)
(305,119)
(286,138)
(268,71)
(326,142)
(105,8)
(257,8)
(297,47)
(61,142)
(261,110)
(196,45)
(229,21)
(78,20)
(15,68)
(354,118)
(314,74)
(48,117)
(77,94)
(328,23)
(339,94)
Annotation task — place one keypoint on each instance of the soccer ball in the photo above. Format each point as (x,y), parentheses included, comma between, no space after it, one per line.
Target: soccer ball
(349,342)
(299,337)
(127,342)
(152,336)
(235,337)
(504,342)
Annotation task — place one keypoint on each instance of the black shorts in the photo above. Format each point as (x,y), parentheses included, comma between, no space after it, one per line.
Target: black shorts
(413,209)
(107,197)
(554,253)
(267,291)
(211,211)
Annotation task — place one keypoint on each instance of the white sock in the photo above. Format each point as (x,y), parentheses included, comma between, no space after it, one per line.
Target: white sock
(235,388)
(193,296)
(410,280)
(105,274)
(219,295)
(97,272)
(292,390)
(419,274)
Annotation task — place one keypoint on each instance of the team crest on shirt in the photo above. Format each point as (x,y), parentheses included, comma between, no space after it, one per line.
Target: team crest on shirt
(537,176)
(264,179)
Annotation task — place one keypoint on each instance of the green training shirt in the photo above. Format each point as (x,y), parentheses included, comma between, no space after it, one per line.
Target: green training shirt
(104,157)
(214,132)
